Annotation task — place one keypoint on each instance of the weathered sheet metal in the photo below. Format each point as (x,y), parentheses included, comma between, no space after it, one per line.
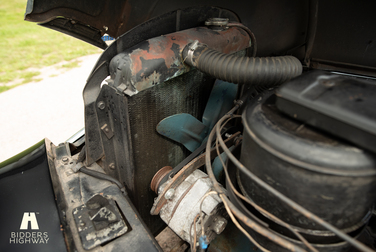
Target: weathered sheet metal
(159,59)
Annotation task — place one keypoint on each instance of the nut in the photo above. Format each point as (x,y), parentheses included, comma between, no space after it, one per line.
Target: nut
(111,166)
(101,105)
(169,194)
(65,159)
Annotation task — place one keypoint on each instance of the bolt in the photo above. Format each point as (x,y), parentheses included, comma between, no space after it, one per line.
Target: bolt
(228,135)
(101,105)
(169,194)
(219,225)
(82,224)
(65,159)
(106,130)
(111,166)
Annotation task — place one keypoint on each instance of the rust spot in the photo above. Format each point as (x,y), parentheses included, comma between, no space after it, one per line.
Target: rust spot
(158,178)
(170,46)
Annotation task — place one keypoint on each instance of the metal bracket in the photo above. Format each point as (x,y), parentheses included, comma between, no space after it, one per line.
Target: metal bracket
(107,131)
(98,221)
(219,23)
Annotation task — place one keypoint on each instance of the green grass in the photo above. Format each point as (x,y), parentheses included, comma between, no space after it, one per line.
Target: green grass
(27,45)
(5,88)
(71,64)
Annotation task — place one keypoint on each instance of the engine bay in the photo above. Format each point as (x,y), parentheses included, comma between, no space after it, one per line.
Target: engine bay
(193,134)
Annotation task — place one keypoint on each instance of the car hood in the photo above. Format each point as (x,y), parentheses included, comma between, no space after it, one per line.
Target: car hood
(320,33)
(90,19)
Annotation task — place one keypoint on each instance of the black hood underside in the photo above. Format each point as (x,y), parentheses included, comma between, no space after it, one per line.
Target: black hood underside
(329,35)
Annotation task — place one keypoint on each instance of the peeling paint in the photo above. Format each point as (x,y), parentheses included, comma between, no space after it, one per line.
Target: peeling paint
(159,59)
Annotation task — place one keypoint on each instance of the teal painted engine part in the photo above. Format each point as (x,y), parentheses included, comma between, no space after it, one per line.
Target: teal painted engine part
(191,132)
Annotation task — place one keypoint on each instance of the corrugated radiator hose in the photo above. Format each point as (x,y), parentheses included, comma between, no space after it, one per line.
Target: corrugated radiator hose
(266,71)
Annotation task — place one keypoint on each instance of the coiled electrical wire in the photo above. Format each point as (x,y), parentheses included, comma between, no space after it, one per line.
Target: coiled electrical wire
(193,243)
(252,224)
(253,204)
(239,226)
(286,200)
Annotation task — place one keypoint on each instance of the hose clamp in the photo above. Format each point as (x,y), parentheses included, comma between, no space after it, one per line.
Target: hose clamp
(191,50)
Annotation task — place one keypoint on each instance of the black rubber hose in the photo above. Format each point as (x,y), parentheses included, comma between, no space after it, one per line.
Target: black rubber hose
(267,71)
